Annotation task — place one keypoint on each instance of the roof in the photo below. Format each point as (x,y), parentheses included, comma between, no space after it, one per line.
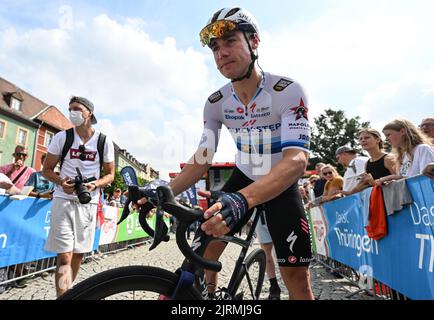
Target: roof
(30,105)
(216,165)
(55,118)
(32,108)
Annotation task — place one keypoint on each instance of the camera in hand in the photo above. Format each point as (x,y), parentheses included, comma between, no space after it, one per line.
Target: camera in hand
(81,190)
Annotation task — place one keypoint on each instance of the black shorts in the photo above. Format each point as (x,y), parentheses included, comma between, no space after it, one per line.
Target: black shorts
(286,220)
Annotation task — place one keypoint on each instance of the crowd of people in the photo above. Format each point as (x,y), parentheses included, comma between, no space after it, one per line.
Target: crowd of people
(412,154)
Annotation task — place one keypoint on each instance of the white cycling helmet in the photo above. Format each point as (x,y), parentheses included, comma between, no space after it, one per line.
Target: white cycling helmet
(228,19)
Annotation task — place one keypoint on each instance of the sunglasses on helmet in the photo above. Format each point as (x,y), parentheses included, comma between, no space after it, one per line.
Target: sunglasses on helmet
(216,30)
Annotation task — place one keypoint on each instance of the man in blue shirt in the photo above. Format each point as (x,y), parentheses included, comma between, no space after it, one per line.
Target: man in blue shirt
(42,188)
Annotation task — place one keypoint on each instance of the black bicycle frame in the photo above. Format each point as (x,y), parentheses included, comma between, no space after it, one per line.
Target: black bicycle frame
(192,268)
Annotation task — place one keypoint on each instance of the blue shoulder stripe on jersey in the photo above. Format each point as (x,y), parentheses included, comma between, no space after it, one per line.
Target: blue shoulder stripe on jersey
(270,148)
(257,93)
(295,143)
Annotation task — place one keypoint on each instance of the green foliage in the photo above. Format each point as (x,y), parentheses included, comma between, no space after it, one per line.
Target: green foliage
(118,182)
(332,130)
(142,181)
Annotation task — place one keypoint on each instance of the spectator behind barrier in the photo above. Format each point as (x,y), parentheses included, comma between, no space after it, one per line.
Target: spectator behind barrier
(429,171)
(117,194)
(380,164)
(42,188)
(427,127)
(355,165)
(6,186)
(413,150)
(334,183)
(18,172)
(320,182)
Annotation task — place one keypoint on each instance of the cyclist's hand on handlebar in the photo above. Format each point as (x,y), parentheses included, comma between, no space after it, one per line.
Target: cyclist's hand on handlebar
(142,201)
(225,213)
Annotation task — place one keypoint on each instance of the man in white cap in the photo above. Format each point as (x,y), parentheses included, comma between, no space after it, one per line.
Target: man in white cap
(355,165)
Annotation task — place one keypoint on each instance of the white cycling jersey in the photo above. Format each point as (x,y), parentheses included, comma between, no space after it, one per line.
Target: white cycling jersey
(275,120)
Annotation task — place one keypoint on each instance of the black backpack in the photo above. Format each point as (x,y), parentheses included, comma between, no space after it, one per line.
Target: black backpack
(70,140)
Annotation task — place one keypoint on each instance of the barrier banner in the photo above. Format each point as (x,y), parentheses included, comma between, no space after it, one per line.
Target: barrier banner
(24,226)
(191,194)
(404,258)
(109,227)
(130,229)
(319,231)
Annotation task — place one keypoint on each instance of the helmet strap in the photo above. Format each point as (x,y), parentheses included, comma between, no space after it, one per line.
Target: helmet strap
(253,57)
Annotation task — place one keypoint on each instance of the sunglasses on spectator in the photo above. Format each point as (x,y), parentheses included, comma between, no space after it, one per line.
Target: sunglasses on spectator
(82,150)
(426,125)
(327,173)
(19,154)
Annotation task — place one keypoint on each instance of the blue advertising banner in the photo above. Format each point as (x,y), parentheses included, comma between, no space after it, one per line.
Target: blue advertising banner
(24,227)
(191,194)
(404,258)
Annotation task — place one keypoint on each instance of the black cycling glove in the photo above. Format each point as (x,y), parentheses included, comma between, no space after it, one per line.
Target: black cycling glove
(234,206)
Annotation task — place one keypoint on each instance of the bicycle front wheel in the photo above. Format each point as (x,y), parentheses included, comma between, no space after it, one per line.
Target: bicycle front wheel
(129,283)
(249,282)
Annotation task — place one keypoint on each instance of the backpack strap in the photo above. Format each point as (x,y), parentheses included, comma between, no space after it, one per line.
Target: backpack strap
(68,144)
(100,148)
(70,140)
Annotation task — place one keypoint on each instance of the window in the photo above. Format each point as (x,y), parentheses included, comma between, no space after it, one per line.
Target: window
(15,104)
(48,137)
(2,129)
(22,137)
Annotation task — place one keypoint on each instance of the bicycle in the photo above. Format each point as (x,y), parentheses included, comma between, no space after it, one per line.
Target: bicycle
(188,282)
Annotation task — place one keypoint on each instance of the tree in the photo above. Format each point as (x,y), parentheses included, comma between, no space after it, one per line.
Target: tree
(118,182)
(332,130)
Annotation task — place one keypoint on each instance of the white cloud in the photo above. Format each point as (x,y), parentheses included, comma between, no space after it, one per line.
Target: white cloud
(147,94)
(351,50)
(411,97)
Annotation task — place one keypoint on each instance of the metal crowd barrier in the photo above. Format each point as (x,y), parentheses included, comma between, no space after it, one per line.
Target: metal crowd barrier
(9,275)
(376,288)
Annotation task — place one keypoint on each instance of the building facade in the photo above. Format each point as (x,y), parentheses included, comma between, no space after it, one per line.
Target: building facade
(25,120)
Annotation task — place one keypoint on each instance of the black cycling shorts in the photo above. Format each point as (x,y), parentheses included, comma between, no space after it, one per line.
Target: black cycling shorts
(286,220)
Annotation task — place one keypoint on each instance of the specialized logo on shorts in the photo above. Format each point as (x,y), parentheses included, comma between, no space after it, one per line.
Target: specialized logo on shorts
(240,110)
(282,84)
(215,97)
(300,111)
(88,155)
(292,259)
(291,240)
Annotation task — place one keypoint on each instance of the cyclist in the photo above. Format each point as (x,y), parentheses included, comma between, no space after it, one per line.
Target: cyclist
(268,118)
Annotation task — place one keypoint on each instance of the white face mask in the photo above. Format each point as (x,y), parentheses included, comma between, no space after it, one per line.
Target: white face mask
(76,118)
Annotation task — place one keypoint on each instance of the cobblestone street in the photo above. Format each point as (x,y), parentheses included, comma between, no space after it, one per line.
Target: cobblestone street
(166,255)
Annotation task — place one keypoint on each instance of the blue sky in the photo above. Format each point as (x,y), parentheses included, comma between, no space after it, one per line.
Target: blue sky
(142,64)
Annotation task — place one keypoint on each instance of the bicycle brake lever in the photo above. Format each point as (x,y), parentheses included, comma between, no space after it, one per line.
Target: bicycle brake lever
(125,212)
(142,219)
(160,230)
